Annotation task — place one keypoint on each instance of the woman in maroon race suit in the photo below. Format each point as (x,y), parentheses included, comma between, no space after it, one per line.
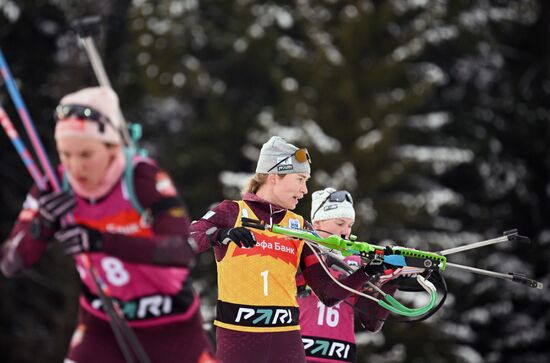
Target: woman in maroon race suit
(257,312)
(144,262)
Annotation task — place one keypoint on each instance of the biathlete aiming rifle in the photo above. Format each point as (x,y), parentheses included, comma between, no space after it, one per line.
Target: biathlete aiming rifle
(408,260)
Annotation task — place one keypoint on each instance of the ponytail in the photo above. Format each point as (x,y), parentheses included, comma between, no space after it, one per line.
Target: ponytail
(255,183)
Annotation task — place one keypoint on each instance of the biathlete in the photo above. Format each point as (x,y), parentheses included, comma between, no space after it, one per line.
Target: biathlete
(127,222)
(328,333)
(257,312)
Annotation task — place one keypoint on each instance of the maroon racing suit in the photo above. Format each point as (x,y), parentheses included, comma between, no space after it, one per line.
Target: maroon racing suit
(252,346)
(162,311)
(328,333)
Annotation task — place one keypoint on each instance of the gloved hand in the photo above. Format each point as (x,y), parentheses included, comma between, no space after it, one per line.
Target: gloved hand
(52,206)
(78,239)
(372,269)
(241,236)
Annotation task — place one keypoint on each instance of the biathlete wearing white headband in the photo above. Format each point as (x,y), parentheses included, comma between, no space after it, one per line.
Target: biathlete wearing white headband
(89,113)
(144,264)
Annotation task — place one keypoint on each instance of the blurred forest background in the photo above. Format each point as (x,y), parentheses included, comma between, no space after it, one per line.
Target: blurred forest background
(434,114)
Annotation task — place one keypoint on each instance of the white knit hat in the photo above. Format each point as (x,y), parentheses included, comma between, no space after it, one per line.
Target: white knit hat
(277,157)
(99,99)
(322,208)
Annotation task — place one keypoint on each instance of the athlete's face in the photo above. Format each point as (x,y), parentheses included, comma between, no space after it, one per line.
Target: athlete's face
(337,226)
(85,159)
(289,189)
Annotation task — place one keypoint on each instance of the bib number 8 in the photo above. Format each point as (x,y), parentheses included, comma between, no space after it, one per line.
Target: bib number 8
(114,271)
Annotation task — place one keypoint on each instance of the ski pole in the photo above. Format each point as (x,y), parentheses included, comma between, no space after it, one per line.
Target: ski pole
(117,323)
(86,28)
(21,149)
(27,121)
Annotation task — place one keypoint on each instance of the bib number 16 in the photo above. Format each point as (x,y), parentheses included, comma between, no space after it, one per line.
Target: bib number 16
(328,315)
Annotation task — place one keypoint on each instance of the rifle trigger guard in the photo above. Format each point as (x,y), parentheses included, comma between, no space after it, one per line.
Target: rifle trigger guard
(376,260)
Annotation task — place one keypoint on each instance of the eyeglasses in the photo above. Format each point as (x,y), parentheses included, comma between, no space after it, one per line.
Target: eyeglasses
(338,196)
(81,112)
(301,156)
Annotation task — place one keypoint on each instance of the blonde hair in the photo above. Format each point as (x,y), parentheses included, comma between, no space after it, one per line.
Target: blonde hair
(257,181)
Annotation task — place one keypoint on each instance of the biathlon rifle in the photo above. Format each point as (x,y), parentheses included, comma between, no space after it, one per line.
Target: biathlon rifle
(395,257)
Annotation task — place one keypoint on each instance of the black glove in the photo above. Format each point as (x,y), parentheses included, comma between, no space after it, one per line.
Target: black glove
(241,236)
(374,268)
(78,239)
(52,206)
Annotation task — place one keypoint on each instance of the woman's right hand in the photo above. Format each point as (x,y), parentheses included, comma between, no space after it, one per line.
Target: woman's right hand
(241,236)
(52,206)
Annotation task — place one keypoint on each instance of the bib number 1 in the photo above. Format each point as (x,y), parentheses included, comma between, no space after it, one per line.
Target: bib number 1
(264,276)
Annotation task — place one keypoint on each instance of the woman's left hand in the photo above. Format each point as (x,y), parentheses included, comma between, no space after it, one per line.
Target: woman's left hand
(78,239)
